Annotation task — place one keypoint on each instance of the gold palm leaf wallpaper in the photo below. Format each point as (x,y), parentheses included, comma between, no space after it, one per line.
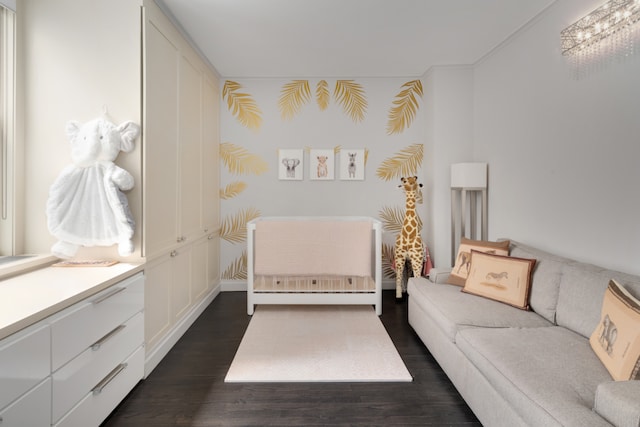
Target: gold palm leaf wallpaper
(407,162)
(351,96)
(322,94)
(237,270)
(232,190)
(388,255)
(233,229)
(239,160)
(242,105)
(293,96)
(393,217)
(405,107)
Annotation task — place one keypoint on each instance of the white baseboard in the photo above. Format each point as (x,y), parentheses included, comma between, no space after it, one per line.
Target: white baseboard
(152,359)
(233,285)
(238,285)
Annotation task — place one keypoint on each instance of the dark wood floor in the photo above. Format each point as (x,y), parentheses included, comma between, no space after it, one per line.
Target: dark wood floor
(187,388)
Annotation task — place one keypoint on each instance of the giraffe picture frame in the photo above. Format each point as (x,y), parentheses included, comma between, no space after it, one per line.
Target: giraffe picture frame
(352,164)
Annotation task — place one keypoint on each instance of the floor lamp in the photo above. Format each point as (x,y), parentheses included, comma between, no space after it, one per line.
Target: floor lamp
(468,183)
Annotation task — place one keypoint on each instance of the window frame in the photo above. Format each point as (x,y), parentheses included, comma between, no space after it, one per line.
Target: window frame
(8,170)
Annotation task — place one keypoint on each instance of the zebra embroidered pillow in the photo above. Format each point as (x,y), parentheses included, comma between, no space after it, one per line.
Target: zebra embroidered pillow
(460,270)
(616,339)
(500,278)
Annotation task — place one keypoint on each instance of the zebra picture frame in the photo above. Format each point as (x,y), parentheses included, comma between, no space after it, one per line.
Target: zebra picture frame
(352,164)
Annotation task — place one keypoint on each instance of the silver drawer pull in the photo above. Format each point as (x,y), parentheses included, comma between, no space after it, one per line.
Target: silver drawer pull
(109,295)
(110,376)
(96,346)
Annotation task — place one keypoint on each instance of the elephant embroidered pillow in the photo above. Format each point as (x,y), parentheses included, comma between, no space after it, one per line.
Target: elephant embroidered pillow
(463,260)
(500,278)
(616,339)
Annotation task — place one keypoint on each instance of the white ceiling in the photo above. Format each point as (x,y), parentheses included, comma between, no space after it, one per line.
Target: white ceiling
(347,38)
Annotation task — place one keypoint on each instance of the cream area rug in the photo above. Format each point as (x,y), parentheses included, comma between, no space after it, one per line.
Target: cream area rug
(307,343)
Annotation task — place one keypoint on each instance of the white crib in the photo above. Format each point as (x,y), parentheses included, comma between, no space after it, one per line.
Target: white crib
(314,260)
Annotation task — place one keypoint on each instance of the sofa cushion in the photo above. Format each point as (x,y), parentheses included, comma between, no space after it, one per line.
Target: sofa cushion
(453,310)
(619,402)
(460,270)
(616,340)
(549,375)
(582,288)
(500,278)
(545,281)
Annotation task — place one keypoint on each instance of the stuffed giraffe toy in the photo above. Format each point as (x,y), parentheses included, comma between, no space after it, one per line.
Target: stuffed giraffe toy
(409,243)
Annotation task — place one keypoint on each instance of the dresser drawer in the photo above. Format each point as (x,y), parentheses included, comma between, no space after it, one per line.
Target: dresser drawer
(80,326)
(25,359)
(33,409)
(75,379)
(96,405)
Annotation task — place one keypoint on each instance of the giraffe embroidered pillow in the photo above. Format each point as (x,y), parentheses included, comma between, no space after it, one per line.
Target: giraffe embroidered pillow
(460,271)
(616,339)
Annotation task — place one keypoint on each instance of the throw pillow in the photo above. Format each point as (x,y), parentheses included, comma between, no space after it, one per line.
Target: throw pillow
(460,270)
(616,339)
(501,278)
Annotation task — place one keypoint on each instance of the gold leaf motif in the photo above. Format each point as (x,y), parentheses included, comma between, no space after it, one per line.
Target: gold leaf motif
(352,98)
(237,270)
(405,107)
(366,155)
(322,94)
(337,149)
(293,96)
(392,219)
(234,229)
(232,190)
(405,163)
(240,161)
(242,105)
(388,257)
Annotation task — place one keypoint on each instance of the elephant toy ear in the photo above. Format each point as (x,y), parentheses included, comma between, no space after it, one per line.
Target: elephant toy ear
(129,131)
(72,129)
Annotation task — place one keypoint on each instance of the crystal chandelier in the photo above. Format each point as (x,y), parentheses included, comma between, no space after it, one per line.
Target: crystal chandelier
(608,33)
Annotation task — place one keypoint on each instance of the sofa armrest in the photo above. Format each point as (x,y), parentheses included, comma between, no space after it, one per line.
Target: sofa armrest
(619,402)
(439,275)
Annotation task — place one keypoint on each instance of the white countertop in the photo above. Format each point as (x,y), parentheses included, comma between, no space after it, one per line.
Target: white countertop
(31,297)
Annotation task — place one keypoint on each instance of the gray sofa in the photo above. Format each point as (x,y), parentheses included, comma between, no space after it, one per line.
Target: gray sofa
(528,368)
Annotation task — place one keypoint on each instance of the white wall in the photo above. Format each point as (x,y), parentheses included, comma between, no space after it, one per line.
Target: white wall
(563,154)
(317,129)
(78,57)
(449,139)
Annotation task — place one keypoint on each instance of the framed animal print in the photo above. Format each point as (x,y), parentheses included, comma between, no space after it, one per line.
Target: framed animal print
(321,164)
(290,164)
(352,164)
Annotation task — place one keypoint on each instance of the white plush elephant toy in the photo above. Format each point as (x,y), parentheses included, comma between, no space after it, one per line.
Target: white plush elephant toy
(86,205)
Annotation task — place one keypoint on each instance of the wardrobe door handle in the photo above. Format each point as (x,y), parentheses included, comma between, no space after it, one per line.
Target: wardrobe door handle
(109,295)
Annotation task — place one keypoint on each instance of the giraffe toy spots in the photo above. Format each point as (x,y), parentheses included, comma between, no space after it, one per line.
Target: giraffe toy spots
(409,242)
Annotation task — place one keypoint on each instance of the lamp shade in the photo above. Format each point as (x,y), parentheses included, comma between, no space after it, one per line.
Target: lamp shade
(469,175)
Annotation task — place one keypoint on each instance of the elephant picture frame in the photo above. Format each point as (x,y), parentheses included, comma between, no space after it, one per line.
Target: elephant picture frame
(290,164)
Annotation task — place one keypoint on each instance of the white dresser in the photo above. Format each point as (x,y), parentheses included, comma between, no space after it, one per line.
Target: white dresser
(73,367)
